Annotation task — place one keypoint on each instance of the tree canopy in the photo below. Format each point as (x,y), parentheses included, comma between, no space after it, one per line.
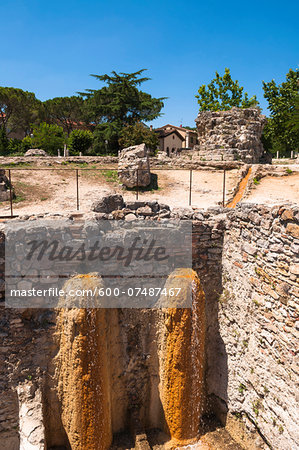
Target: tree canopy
(4,143)
(18,110)
(282,130)
(222,93)
(138,134)
(118,104)
(65,111)
(48,137)
(80,141)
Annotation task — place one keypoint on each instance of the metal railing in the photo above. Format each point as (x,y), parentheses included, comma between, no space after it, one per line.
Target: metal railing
(76,170)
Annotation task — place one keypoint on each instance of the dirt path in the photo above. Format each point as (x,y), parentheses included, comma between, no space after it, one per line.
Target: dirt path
(274,190)
(55,191)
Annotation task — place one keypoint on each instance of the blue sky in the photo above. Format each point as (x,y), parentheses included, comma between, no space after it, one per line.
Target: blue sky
(50,48)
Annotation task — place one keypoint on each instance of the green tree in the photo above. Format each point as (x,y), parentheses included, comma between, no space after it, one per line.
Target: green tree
(105,138)
(15,147)
(48,137)
(118,104)
(27,114)
(64,111)
(281,132)
(27,143)
(189,128)
(80,141)
(19,110)
(293,122)
(8,104)
(138,134)
(222,94)
(3,142)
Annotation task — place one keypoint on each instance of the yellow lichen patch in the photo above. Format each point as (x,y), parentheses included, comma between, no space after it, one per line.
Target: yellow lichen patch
(83,374)
(182,365)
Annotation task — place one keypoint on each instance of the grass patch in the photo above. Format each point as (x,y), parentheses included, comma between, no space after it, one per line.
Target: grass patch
(19,199)
(256,406)
(245,343)
(15,164)
(242,388)
(256,181)
(80,165)
(288,171)
(110,176)
(25,192)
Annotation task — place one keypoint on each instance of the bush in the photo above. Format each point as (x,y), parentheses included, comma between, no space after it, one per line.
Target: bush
(138,134)
(27,143)
(80,141)
(105,139)
(15,147)
(46,137)
(10,147)
(281,132)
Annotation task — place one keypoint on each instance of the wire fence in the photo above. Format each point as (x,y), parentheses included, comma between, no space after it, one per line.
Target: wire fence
(76,171)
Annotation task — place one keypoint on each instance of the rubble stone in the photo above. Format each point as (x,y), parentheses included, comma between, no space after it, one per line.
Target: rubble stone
(35,152)
(108,203)
(4,186)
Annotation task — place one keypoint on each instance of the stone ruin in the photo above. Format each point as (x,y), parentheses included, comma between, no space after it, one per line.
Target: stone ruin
(4,186)
(35,152)
(134,166)
(251,296)
(231,135)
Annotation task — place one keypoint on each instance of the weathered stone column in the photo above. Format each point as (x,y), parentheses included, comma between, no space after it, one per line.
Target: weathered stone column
(82,366)
(182,358)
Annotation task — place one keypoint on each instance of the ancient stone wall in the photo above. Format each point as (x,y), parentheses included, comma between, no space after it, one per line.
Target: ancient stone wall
(247,263)
(256,374)
(230,135)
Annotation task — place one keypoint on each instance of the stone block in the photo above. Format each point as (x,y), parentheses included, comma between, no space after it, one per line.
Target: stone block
(134,166)
(108,203)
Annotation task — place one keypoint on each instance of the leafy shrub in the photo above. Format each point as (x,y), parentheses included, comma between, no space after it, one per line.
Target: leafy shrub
(138,134)
(27,143)
(48,137)
(80,141)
